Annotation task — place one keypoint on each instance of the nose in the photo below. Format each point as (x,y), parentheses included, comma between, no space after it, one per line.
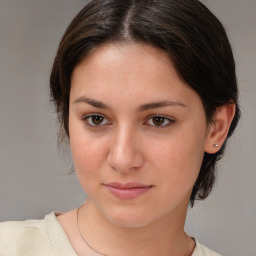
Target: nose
(125,155)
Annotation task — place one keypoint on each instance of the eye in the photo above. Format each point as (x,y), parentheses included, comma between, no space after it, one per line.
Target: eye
(95,120)
(159,121)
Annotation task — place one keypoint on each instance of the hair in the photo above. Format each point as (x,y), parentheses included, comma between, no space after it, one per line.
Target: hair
(187,31)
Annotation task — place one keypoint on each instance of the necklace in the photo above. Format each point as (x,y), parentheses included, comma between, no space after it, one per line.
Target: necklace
(99,254)
(77,212)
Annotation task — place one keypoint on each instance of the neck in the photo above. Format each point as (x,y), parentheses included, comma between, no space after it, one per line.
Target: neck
(165,236)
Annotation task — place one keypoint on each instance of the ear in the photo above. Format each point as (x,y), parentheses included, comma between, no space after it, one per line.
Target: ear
(218,130)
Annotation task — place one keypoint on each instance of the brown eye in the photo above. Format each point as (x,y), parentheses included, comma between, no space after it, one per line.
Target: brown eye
(158,120)
(95,120)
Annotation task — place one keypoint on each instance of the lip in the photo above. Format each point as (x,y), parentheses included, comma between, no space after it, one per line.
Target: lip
(127,191)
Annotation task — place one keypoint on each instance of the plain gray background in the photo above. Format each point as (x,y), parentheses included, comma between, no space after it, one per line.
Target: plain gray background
(32,171)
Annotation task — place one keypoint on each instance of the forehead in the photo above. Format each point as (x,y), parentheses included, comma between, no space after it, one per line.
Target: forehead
(119,72)
(136,57)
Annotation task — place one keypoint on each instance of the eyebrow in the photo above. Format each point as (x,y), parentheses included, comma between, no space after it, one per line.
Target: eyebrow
(92,102)
(160,104)
(144,107)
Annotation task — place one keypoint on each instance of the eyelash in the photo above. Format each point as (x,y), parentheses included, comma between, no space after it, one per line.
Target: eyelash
(169,121)
(88,121)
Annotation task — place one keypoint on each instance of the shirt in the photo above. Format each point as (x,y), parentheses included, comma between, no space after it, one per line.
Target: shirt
(46,237)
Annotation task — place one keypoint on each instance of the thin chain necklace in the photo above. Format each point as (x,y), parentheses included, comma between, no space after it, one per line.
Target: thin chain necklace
(77,212)
(81,233)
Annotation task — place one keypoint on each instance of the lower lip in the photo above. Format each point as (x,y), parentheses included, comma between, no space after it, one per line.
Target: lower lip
(128,193)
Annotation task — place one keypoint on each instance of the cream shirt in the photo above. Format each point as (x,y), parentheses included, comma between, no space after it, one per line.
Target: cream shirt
(46,237)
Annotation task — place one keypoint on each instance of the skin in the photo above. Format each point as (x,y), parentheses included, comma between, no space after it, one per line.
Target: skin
(127,143)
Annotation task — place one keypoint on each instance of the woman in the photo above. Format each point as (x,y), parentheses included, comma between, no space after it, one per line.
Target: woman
(146,92)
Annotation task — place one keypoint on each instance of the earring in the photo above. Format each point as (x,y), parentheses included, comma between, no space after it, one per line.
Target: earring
(215,145)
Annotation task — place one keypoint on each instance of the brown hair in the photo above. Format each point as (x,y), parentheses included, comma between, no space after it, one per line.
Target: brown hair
(186,30)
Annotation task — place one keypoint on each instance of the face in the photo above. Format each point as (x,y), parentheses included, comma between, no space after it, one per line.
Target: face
(137,134)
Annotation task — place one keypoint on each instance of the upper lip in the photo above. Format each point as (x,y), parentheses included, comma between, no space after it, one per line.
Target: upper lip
(127,185)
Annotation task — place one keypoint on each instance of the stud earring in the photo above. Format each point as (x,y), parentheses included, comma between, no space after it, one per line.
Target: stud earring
(215,145)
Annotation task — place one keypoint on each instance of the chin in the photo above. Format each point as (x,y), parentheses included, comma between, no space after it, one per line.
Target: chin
(129,219)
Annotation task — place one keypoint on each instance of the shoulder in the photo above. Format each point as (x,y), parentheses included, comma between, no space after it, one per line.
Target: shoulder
(30,237)
(28,229)
(21,236)
(201,250)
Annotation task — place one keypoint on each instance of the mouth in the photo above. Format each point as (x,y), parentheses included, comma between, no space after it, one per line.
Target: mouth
(127,191)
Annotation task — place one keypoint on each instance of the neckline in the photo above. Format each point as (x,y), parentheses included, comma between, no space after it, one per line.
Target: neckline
(57,235)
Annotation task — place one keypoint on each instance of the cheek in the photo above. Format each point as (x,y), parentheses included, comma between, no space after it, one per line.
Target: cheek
(88,155)
(179,160)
